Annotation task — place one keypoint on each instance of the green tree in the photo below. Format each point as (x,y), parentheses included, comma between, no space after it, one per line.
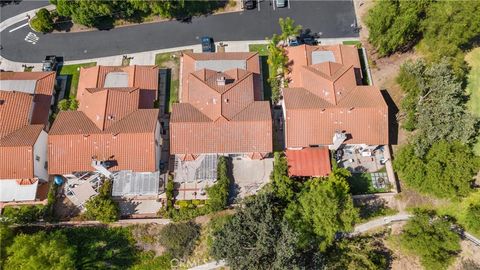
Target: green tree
(432,239)
(86,12)
(73,106)
(179,238)
(449,28)
(282,185)
(472,216)
(435,105)
(101,207)
(6,239)
(324,208)
(395,25)
(148,260)
(40,251)
(218,193)
(42,21)
(446,171)
(23,214)
(277,64)
(289,29)
(170,191)
(256,237)
(362,252)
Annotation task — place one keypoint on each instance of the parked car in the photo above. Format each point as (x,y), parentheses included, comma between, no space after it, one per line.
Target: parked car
(249,4)
(309,41)
(207,44)
(294,42)
(281,3)
(50,63)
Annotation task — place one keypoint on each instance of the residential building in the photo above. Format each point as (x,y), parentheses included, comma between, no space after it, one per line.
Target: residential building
(115,133)
(327,108)
(221,112)
(25,102)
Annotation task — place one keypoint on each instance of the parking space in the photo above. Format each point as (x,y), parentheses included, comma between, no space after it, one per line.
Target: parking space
(250,175)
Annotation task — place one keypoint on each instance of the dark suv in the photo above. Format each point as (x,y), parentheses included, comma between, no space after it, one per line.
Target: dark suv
(207,44)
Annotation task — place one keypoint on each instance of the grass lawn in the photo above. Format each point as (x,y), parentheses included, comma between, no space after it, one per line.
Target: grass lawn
(473,87)
(353,42)
(260,48)
(73,73)
(170,61)
(361,183)
(263,53)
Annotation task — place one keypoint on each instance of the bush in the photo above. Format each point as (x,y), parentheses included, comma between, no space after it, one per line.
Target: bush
(42,21)
(67,105)
(179,238)
(23,214)
(102,207)
(218,193)
(170,192)
(432,239)
(446,171)
(472,217)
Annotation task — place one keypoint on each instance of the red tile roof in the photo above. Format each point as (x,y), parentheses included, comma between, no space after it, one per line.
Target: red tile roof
(144,78)
(325,98)
(220,117)
(22,118)
(111,124)
(311,161)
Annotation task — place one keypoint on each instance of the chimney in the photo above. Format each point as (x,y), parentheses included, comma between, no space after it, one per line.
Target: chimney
(221,81)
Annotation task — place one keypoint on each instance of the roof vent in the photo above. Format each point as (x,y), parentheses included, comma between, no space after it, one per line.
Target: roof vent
(226,100)
(221,81)
(2,101)
(110,117)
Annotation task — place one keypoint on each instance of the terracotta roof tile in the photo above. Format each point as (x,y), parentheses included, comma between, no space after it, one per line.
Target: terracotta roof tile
(15,111)
(311,161)
(326,98)
(215,118)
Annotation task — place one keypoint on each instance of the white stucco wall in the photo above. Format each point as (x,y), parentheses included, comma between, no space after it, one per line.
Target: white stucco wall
(40,152)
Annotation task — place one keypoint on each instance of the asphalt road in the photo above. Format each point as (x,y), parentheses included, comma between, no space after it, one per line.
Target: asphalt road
(332,18)
(20,6)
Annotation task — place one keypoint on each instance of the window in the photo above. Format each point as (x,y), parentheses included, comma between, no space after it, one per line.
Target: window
(37,158)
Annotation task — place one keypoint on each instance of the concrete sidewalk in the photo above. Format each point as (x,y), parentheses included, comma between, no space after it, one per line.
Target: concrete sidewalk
(148,58)
(21,17)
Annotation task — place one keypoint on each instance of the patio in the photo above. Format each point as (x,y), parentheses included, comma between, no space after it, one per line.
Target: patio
(80,187)
(193,177)
(361,159)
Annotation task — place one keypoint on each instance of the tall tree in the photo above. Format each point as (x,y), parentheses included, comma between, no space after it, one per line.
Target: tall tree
(289,29)
(324,208)
(432,239)
(360,252)
(256,238)
(40,251)
(446,171)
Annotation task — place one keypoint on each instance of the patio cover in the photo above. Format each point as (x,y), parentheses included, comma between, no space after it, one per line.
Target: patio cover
(128,183)
(312,161)
(10,191)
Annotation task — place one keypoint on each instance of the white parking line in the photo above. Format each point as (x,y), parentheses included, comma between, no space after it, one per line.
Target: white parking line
(258,5)
(288,3)
(273,4)
(16,28)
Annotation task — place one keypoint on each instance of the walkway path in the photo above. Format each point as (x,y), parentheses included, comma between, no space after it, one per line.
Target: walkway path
(382,221)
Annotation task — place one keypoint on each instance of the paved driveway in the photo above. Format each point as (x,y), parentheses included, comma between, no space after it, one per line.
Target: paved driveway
(332,18)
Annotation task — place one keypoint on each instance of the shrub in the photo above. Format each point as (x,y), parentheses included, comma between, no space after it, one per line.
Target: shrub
(23,214)
(472,217)
(446,171)
(43,21)
(102,207)
(432,239)
(219,192)
(179,238)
